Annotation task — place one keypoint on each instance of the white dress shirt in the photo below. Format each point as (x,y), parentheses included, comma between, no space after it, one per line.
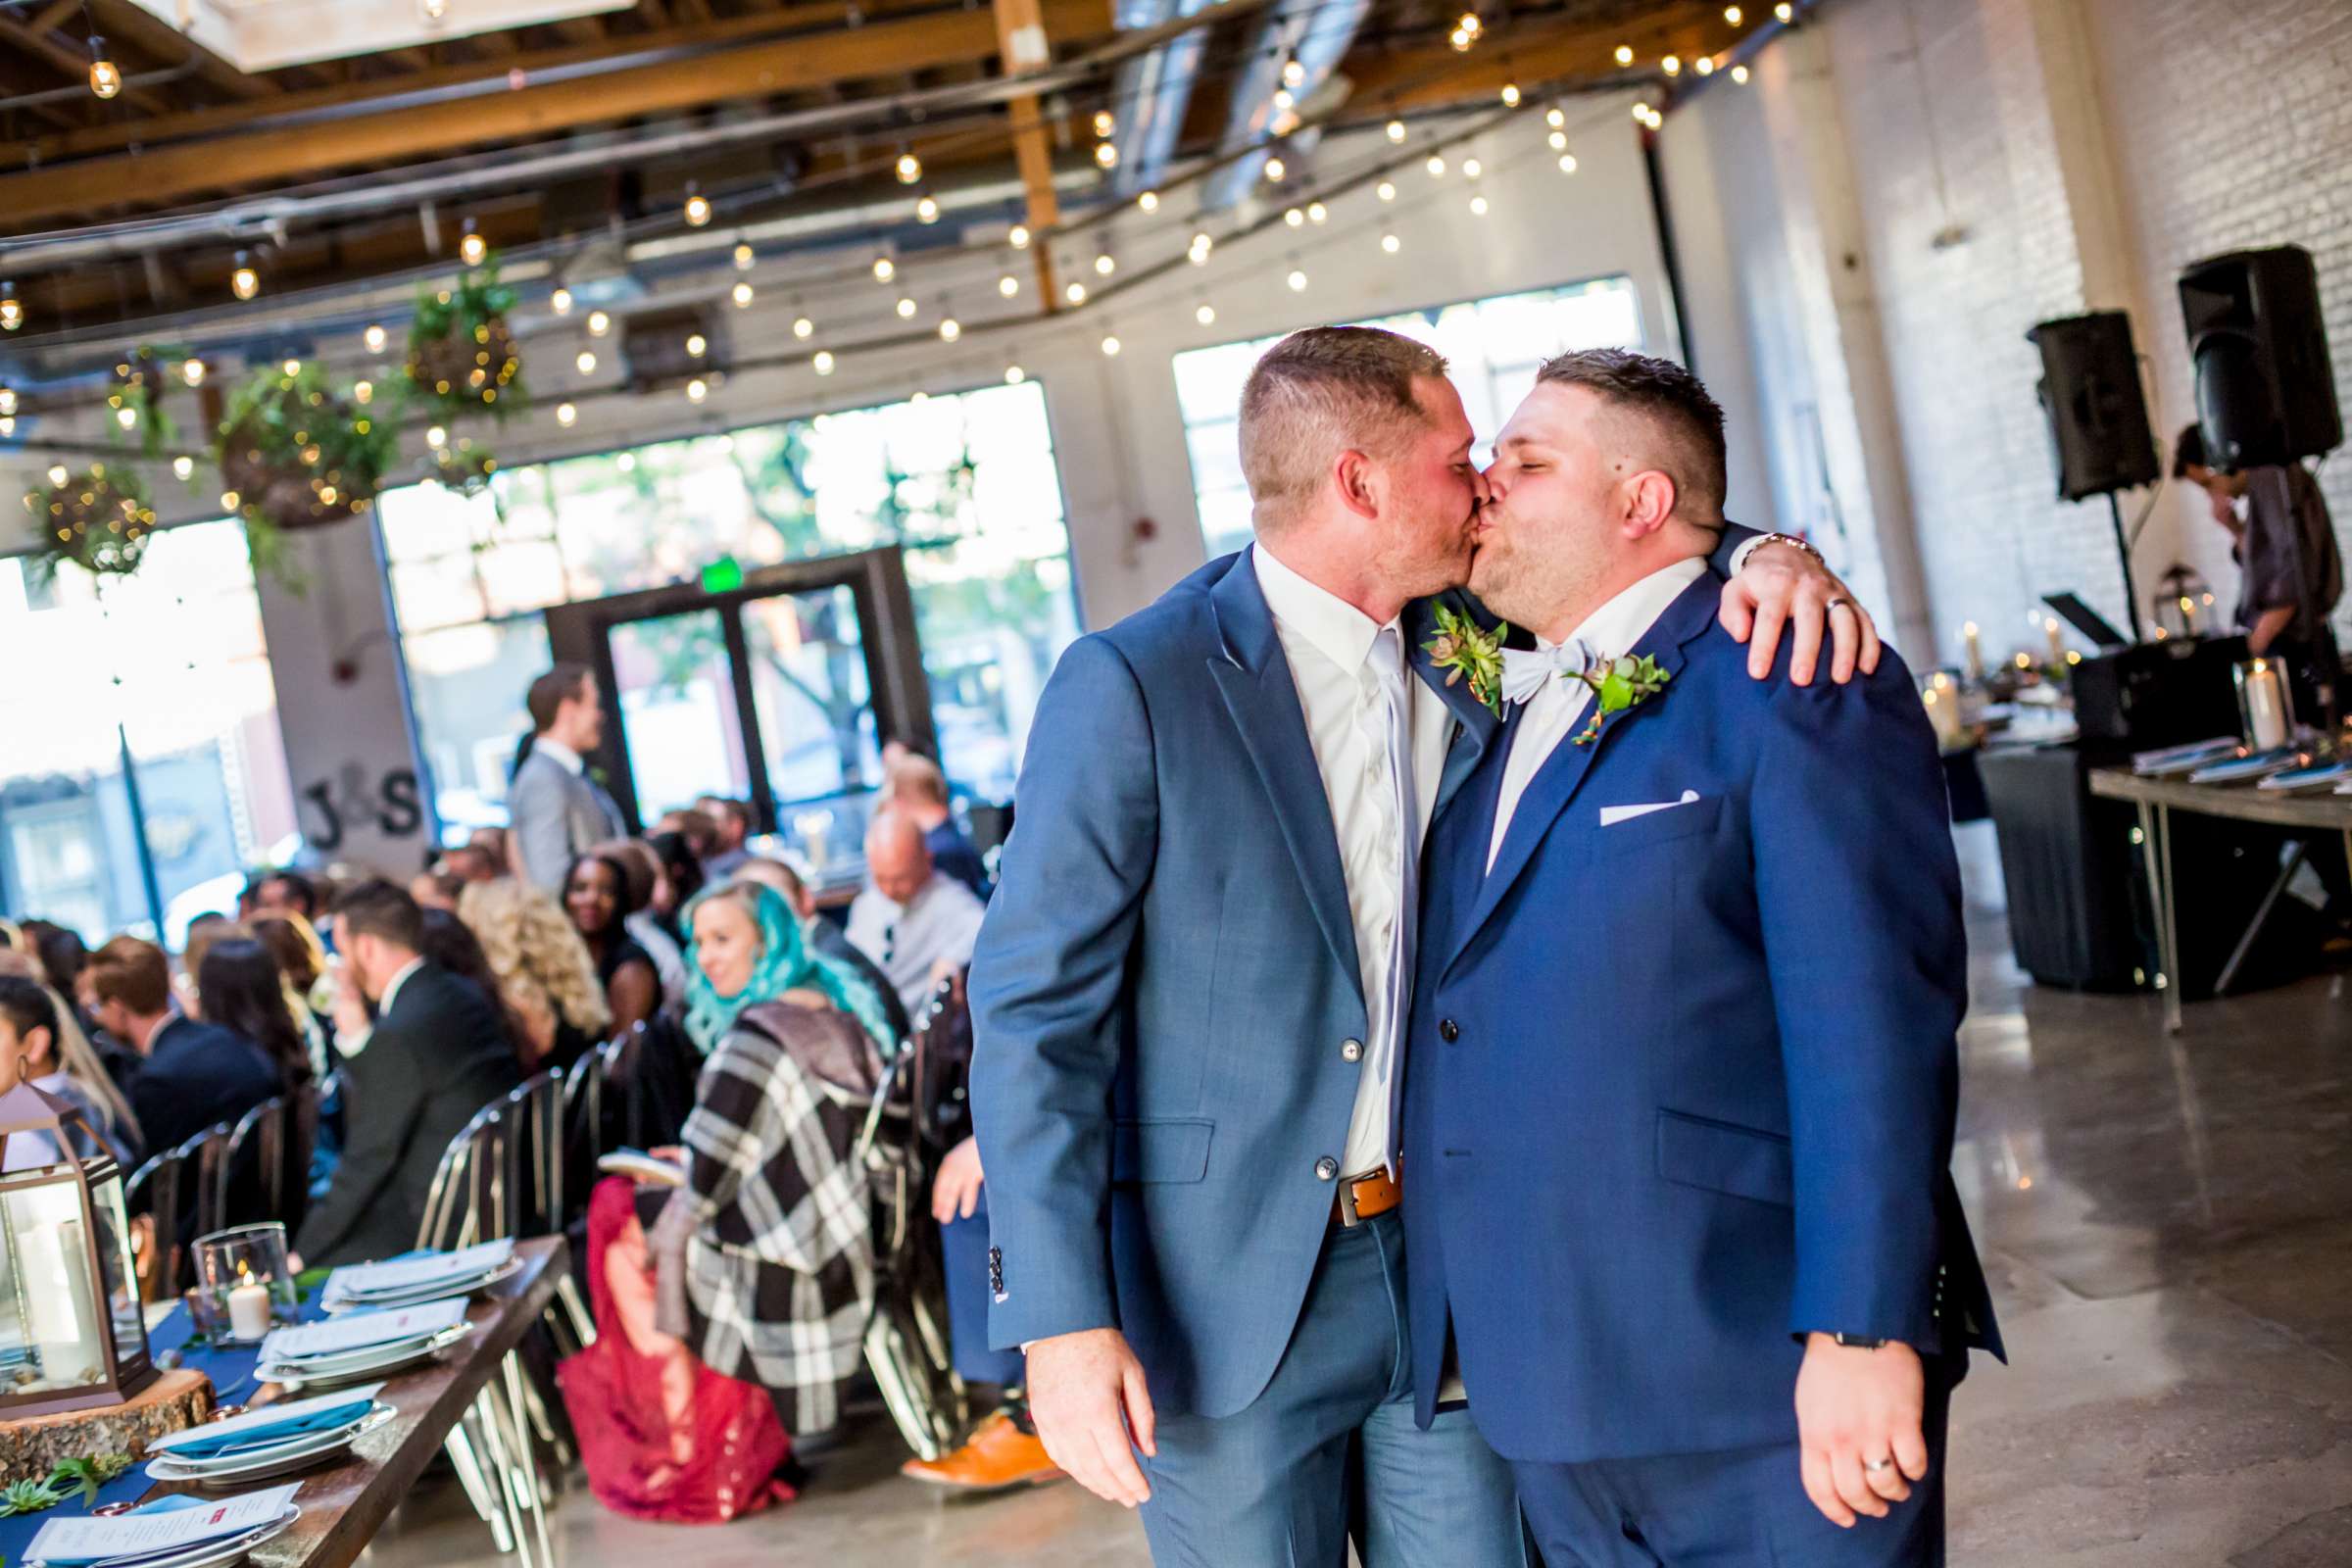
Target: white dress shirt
(1554,712)
(910,941)
(563,756)
(1328,644)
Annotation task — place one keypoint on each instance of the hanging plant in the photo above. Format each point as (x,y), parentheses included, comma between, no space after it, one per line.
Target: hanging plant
(135,404)
(298,453)
(462,466)
(98,520)
(462,354)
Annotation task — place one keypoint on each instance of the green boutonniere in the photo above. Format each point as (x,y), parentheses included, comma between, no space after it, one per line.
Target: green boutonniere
(1617,685)
(1466,653)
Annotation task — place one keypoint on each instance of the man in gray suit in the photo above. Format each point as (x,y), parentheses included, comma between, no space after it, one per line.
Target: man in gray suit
(555,809)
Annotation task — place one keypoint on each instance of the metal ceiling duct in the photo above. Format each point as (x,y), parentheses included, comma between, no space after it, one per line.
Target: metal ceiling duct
(1314,33)
(1154,92)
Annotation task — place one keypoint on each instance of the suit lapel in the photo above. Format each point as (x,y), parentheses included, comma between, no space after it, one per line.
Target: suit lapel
(1260,695)
(1475,724)
(1565,770)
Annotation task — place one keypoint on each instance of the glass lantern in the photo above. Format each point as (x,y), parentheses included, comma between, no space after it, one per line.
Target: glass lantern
(72,1335)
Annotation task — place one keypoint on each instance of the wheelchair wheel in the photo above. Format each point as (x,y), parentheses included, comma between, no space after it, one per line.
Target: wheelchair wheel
(905,1351)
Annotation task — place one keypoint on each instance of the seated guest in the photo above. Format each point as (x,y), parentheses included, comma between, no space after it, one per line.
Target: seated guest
(917,789)
(473,863)
(597,897)
(915,922)
(732,820)
(544,973)
(435,1054)
(436,887)
(286,893)
(493,846)
(41,1044)
(301,966)
(451,943)
(240,988)
(63,955)
(828,939)
(699,829)
(653,907)
(764,1258)
(195,1073)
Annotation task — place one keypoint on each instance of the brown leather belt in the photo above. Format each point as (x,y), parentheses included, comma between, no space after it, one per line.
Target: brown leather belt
(1365,1198)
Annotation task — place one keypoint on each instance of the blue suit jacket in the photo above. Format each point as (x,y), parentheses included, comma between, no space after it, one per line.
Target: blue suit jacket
(1161,994)
(1682,1088)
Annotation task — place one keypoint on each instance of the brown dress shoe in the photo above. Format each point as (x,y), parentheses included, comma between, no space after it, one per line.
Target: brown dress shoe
(998,1455)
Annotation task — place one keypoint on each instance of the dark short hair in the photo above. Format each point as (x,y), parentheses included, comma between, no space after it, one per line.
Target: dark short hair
(739,811)
(2188,450)
(552,691)
(1321,392)
(133,972)
(377,908)
(60,950)
(306,892)
(1675,407)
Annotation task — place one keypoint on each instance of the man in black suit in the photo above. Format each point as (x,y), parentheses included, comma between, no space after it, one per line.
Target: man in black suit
(435,1055)
(194,1073)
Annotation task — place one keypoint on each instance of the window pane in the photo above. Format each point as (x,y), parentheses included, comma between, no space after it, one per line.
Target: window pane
(677,709)
(466,684)
(1493,347)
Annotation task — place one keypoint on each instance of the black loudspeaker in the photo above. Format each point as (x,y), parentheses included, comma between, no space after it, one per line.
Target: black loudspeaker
(2153,695)
(2266,388)
(2090,391)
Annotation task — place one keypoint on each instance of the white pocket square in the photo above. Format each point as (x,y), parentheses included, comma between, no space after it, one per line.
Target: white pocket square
(1611,815)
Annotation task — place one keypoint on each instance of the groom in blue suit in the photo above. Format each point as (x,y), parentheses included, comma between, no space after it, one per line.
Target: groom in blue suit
(1681,1072)
(1189,994)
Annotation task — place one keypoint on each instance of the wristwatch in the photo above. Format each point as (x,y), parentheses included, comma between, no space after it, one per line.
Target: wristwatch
(1858,1342)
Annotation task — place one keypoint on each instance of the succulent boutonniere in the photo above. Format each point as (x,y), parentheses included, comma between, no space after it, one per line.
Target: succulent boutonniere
(1464,652)
(1617,685)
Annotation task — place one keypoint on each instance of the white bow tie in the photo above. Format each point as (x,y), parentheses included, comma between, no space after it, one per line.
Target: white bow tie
(1524,671)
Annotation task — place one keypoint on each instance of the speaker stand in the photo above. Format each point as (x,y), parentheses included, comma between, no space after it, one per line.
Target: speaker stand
(2122,551)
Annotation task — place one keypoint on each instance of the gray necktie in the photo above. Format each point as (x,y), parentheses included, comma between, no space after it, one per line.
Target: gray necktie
(1388,664)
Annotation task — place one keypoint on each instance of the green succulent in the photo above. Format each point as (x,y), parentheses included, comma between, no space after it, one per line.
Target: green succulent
(29,1496)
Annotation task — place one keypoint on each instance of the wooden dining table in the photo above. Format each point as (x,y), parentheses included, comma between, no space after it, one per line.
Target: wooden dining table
(344,1504)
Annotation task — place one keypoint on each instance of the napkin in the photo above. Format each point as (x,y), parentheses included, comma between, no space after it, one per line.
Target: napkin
(358,1331)
(277,1422)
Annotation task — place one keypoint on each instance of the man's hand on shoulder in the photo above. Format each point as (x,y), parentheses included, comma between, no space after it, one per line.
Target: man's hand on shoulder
(1786,587)
(1088,1399)
(1858,1408)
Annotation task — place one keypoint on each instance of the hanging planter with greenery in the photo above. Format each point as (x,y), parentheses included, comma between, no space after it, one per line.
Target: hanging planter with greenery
(300,453)
(135,404)
(462,356)
(98,520)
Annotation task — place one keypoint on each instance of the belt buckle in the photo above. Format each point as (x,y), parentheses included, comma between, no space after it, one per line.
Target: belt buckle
(1348,1219)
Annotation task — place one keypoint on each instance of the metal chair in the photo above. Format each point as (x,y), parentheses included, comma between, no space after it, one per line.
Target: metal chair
(155,1191)
(253,1169)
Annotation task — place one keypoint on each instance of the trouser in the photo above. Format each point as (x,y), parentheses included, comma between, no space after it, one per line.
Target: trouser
(1330,1449)
(1745,1509)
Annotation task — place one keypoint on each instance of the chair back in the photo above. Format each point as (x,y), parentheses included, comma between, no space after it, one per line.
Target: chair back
(205,1157)
(468,1199)
(649,1084)
(252,1167)
(155,1195)
(535,1155)
(940,1053)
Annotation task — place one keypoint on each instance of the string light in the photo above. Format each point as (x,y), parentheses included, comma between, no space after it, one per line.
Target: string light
(1008,285)
(8,400)
(926,211)
(127,417)
(1014,376)
(1391,243)
(697,390)
(244,283)
(192,370)
(1739,75)
(560,302)
(823,362)
(1075,293)
(885,268)
(183,466)
(1461,40)
(363,391)
(1472,169)
(1672,65)
(741,294)
(1294,73)
(1705,65)
(1298,281)
(697,345)
(229,500)
(1149,201)
(373,337)
(1478,205)
(1396,130)
(905,308)
(1567,163)
(1784,13)
(1733,15)
(598,324)
(1198,252)
(1435,166)
(1555,116)
(1276,168)
(1625,54)
(106,78)
(1105,265)
(1385,190)
(586,363)
(744,255)
(698,208)
(1317,213)
(804,328)
(1105,122)
(950,329)
(1205,313)
(8,424)
(1294,218)
(292,368)
(1510,95)
(472,248)
(566,415)
(1110,347)
(626,463)
(1282,100)
(1106,153)
(910,167)
(58,474)
(1019,236)
(1558,141)
(436,437)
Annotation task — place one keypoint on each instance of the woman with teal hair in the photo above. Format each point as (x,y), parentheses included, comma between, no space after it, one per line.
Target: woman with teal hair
(764,1258)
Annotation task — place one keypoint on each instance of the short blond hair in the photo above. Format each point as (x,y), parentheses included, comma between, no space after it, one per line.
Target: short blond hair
(1322,392)
(916,777)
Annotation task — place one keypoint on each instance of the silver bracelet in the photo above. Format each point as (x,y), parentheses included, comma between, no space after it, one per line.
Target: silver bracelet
(1794,543)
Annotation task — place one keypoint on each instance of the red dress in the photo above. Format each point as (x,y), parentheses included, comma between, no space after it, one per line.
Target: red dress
(662,1434)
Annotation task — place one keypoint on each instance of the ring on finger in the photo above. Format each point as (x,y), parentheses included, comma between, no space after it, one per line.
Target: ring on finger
(1877,1466)
(1840,603)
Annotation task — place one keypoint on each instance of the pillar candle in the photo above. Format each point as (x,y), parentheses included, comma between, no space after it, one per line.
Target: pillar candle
(1943,700)
(2266,706)
(1976,651)
(2057,645)
(249,1311)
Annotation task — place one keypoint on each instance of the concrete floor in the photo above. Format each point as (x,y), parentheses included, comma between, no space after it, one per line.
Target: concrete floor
(2166,1222)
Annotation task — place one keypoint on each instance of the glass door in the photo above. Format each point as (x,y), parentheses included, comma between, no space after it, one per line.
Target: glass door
(779,689)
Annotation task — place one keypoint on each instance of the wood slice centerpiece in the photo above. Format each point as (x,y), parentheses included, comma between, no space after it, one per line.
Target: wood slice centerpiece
(31,1446)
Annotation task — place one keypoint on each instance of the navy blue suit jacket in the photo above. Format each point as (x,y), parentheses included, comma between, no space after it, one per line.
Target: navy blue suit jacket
(1680,1089)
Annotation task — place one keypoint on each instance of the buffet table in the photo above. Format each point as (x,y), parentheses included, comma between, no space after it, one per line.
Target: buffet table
(344,1503)
(2158,798)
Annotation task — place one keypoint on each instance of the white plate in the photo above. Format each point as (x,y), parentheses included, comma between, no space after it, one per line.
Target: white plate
(442,1289)
(264,1463)
(407,1354)
(213,1554)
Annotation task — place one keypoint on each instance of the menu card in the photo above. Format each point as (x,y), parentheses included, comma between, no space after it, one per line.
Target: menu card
(359,1330)
(150,1531)
(416,1273)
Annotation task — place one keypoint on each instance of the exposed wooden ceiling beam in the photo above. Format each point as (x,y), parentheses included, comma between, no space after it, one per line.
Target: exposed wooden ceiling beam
(58,11)
(70,59)
(155,130)
(421,130)
(155,37)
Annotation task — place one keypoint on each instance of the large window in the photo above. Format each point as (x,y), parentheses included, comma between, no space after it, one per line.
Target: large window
(144,770)
(1494,346)
(967,483)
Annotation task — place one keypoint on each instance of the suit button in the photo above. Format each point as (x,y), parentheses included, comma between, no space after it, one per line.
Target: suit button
(1351,1050)
(1326,1168)
(1448,1031)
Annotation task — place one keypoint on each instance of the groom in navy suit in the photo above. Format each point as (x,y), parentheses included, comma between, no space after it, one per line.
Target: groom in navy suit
(1681,1071)
(1189,994)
